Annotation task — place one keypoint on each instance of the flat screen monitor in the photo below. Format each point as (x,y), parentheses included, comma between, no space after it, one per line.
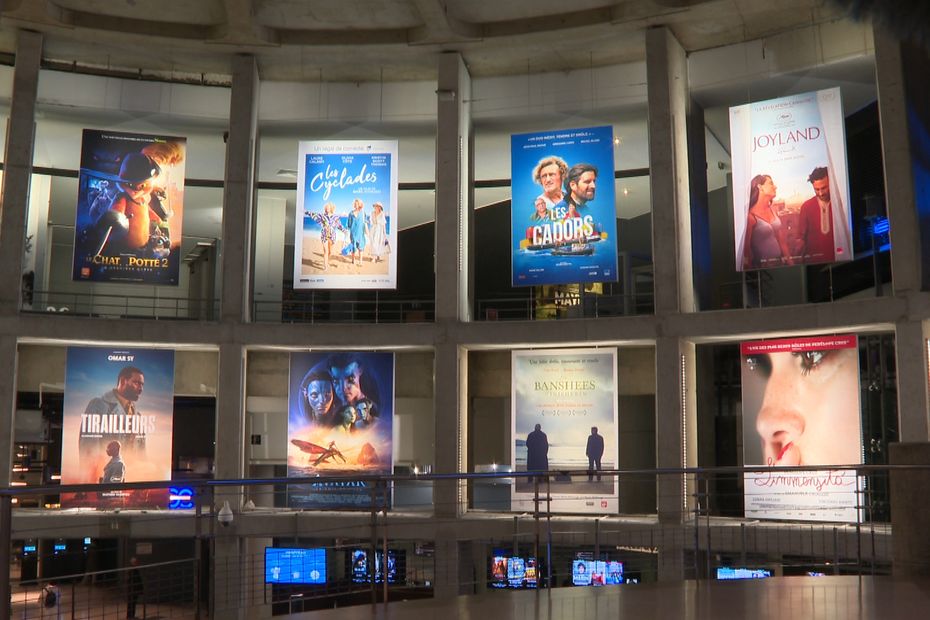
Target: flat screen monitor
(726,572)
(359,565)
(29,549)
(293,565)
(499,571)
(514,572)
(589,572)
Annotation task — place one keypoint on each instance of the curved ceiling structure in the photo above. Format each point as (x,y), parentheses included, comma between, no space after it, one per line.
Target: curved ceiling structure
(371,40)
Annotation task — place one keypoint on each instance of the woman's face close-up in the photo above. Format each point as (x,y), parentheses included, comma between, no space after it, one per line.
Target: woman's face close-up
(810,409)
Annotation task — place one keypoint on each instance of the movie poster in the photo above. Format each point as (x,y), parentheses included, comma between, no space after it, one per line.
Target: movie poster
(564,417)
(801,407)
(340,421)
(129,209)
(563,217)
(790,184)
(346,232)
(118,412)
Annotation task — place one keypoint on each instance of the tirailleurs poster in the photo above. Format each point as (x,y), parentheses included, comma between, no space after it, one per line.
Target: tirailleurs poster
(118,415)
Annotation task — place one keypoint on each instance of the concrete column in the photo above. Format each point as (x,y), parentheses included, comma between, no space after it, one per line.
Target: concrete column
(910,344)
(910,519)
(229,454)
(8,396)
(906,227)
(239,193)
(451,364)
(228,572)
(667,78)
(676,427)
(454,212)
(452,576)
(17,172)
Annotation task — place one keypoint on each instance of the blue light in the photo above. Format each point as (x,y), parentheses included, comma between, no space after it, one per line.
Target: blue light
(180,498)
(880,226)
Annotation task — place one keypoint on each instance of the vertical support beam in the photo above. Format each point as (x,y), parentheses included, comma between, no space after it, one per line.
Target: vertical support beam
(910,349)
(451,362)
(449,496)
(17,171)
(667,77)
(454,212)
(676,445)
(229,455)
(7,395)
(892,75)
(239,192)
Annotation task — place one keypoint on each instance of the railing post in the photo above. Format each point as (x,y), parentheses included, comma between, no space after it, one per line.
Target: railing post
(373,548)
(6,527)
(536,519)
(384,544)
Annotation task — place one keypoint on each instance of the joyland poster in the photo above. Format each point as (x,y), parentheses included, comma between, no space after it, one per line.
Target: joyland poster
(790,182)
(346,232)
(801,407)
(563,222)
(564,417)
(340,423)
(118,413)
(129,209)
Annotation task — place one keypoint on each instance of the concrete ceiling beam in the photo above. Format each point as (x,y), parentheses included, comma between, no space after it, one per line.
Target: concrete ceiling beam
(241,28)
(440,27)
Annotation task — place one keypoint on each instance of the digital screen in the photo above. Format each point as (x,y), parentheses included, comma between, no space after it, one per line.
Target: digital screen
(59,547)
(29,549)
(87,540)
(742,573)
(359,566)
(499,571)
(614,573)
(284,565)
(514,572)
(596,572)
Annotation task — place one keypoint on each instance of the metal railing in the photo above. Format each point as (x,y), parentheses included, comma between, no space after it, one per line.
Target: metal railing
(448,545)
(322,309)
(108,305)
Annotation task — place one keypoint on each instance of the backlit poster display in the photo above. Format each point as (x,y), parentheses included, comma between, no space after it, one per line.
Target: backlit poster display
(129,209)
(563,216)
(118,415)
(564,417)
(801,408)
(790,182)
(340,419)
(346,226)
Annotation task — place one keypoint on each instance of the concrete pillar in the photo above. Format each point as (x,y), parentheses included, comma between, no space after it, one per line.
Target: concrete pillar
(676,427)
(17,171)
(910,344)
(446,564)
(8,396)
(910,519)
(454,212)
(667,84)
(451,365)
(239,193)
(229,457)
(892,74)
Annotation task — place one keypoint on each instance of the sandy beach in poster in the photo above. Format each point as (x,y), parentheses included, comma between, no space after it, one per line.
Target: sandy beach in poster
(339,264)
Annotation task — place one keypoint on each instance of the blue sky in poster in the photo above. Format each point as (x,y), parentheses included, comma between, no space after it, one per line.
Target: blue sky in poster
(343,177)
(92,371)
(592,146)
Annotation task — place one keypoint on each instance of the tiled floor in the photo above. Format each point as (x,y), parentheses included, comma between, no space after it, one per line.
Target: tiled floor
(778,598)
